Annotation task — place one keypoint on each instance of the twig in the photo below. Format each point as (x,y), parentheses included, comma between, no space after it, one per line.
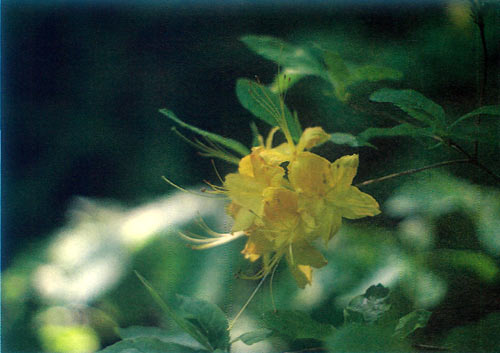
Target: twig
(413,171)
(428,347)
(477,8)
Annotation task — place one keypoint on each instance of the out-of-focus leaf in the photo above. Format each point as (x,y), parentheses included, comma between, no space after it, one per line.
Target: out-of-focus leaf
(366,338)
(342,138)
(369,307)
(224,141)
(255,134)
(286,79)
(398,130)
(296,324)
(281,52)
(148,345)
(412,321)
(339,74)
(208,318)
(266,105)
(373,73)
(487,132)
(187,326)
(482,265)
(485,110)
(480,337)
(143,331)
(414,103)
(255,336)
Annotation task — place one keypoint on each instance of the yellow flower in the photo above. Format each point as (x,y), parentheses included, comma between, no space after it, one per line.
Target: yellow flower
(326,193)
(283,198)
(283,211)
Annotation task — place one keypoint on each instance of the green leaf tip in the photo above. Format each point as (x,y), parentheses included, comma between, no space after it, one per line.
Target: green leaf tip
(223,141)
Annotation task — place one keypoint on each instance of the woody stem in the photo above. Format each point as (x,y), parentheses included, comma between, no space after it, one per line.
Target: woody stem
(413,171)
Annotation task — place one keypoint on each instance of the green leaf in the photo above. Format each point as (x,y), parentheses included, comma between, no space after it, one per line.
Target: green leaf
(185,325)
(413,103)
(148,345)
(266,105)
(338,72)
(468,131)
(342,138)
(366,338)
(281,52)
(370,307)
(485,110)
(224,141)
(412,321)
(208,318)
(255,336)
(143,331)
(398,130)
(296,324)
(373,73)
(480,264)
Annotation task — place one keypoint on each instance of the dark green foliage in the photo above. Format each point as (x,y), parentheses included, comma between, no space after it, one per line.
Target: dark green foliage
(295,324)
(208,318)
(255,336)
(477,337)
(203,321)
(148,345)
(357,337)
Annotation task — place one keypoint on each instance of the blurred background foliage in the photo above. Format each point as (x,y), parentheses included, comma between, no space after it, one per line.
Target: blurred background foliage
(85,148)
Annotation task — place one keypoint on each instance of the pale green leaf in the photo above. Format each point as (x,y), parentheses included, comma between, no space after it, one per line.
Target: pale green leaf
(338,73)
(224,141)
(342,138)
(266,105)
(476,262)
(281,52)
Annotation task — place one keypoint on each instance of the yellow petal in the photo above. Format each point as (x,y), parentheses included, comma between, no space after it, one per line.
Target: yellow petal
(353,203)
(301,258)
(343,171)
(243,217)
(280,207)
(310,174)
(245,191)
(312,136)
(256,246)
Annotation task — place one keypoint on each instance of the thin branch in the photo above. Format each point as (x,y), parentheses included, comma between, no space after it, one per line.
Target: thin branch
(428,347)
(413,171)
(477,8)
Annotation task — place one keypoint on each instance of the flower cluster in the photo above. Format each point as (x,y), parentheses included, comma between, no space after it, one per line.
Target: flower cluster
(284,198)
